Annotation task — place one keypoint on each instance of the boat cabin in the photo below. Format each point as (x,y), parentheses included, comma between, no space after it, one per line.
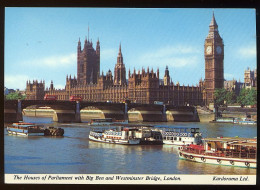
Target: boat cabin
(238,147)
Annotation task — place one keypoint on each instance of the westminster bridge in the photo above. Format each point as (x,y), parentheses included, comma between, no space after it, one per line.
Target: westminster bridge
(75,111)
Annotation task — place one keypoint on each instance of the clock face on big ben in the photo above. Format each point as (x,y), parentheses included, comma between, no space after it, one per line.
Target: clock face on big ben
(219,50)
(208,49)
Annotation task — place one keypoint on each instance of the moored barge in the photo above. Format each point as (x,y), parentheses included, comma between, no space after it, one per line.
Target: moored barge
(25,129)
(226,151)
(31,129)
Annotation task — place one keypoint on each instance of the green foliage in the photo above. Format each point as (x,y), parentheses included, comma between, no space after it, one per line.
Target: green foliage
(247,97)
(231,97)
(15,96)
(220,96)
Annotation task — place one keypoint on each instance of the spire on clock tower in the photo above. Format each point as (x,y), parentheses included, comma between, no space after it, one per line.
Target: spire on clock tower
(213,21)
(213,28)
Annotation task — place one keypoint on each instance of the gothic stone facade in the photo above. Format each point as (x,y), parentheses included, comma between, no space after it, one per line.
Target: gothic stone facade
(142,86)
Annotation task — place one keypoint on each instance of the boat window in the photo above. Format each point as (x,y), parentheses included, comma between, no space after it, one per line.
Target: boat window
(179,139)
(175,138)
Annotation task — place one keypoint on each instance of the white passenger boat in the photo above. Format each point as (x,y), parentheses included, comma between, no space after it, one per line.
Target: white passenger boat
(245,121)
(127,135)
(25,129)
(181,135)
(226,151)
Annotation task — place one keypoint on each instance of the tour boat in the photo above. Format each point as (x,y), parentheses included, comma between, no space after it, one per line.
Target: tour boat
(226,151)
(26,129)
(127,135)
(245,121)
(181,136)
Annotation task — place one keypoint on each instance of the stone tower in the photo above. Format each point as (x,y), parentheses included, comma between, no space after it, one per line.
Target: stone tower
(35,90)
(166,78)
(214,57)
(250,78)
(88,62)
(120,73)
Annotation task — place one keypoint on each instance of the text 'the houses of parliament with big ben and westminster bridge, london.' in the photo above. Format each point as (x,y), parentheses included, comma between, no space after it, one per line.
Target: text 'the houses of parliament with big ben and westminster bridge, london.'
(143,86)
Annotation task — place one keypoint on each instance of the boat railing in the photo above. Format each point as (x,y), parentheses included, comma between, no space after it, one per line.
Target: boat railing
(226,154)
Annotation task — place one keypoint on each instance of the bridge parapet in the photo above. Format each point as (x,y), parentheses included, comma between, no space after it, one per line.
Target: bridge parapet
(84,104)
(54,104)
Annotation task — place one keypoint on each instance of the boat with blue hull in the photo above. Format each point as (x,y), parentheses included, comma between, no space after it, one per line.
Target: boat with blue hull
(26,129)
(31,129)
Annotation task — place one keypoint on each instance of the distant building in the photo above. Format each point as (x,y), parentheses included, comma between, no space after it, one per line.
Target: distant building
(233,85)
(250,78)
(143,86)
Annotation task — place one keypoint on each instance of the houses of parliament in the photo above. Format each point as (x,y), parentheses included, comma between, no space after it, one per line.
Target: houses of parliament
(143,86)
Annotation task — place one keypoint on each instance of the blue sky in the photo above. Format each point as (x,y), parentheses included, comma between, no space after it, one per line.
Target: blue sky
(41,43)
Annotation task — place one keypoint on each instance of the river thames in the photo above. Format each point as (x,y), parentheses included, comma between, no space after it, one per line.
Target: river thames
(75,154)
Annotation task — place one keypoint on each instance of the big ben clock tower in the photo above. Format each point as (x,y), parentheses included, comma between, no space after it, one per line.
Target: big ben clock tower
(214,57)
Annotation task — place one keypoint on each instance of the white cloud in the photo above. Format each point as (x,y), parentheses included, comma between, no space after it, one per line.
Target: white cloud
(173,56)
(54,61)
(248,52)
(16,81)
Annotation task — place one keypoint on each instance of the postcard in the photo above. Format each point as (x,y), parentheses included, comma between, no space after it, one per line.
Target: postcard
(130,96)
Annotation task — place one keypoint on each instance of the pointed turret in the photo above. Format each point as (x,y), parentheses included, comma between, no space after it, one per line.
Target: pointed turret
(166,78)
(79,45)
(213,21)
(98,47)
(129,73)
(120,56)
(213,29)
(51,86)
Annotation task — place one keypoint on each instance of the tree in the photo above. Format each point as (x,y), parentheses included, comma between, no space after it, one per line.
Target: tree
(15,96)
(220,96)
(251,98)
(241,99)
(247,97)
(230,97)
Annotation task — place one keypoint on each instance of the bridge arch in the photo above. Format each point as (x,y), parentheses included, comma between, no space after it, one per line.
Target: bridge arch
(149,114)
(57,113)
(101,112)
